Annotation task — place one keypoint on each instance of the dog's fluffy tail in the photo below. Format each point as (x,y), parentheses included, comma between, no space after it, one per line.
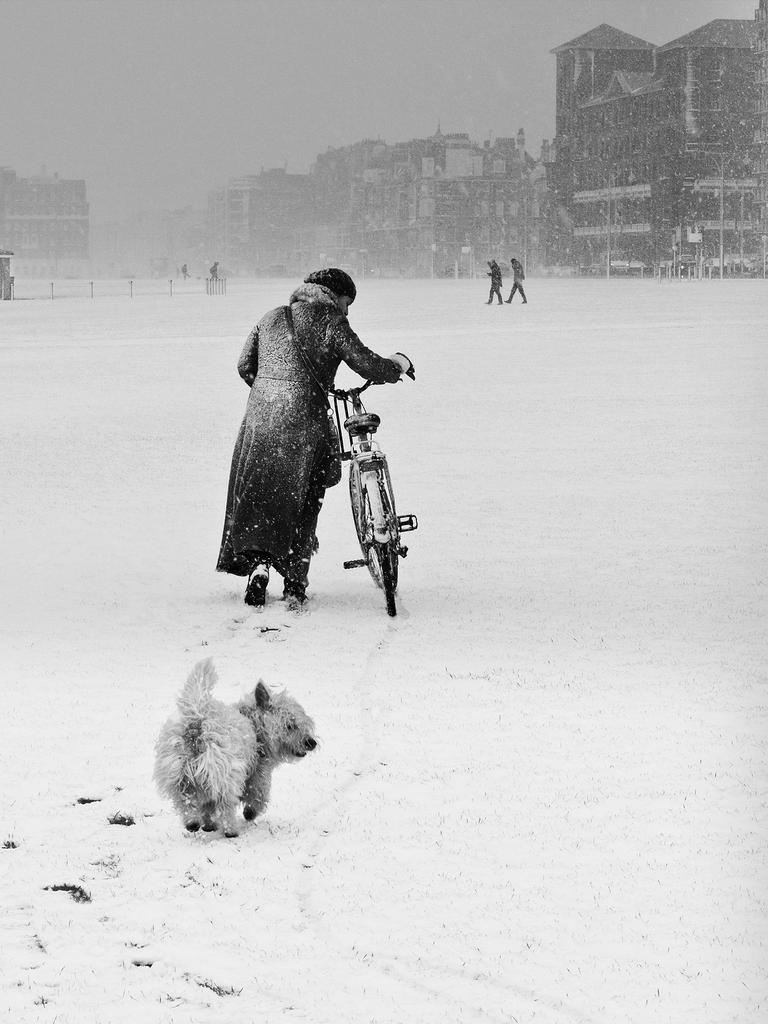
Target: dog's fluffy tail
(195,699)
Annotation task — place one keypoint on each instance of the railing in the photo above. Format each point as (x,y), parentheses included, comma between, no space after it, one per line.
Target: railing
(28,287)
(216,286)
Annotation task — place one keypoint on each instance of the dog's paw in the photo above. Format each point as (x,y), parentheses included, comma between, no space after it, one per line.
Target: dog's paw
(209,827)
(231,835)
(192,826)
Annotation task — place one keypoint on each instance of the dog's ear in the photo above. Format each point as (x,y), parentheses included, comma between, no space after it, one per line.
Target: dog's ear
(263,696)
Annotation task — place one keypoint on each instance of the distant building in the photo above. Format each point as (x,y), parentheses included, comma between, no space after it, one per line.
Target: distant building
(441,205)
(45,220)
(256,223)
(151,244)
(761,129)
(649,140)
(6,290)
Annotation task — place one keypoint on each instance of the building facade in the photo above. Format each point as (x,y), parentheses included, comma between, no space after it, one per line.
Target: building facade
(45,221)
(439,206)
(6,278)
(761,127)
(257,224)
(655,149)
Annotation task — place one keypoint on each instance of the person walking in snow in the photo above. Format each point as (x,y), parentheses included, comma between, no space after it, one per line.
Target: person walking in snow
(286,453)
(519,274)
(214,271)
(495,275)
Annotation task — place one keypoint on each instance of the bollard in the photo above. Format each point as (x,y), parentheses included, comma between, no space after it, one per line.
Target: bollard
(91,289)
(130,283)
(170,285)
(51,289)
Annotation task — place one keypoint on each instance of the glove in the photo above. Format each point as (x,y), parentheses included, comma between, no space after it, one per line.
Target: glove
(405,364)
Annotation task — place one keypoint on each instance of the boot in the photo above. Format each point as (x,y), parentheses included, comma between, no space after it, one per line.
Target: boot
(294,594)
(256,591)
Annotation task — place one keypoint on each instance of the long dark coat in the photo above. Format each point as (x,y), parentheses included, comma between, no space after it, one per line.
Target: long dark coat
(283,451)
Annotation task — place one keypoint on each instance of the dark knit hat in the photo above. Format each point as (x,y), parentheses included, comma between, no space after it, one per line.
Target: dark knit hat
(338,281)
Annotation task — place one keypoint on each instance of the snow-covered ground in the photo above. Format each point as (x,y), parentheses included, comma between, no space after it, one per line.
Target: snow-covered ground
(540,795)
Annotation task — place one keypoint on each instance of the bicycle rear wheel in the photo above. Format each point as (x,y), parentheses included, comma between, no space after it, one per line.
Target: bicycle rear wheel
(381,557)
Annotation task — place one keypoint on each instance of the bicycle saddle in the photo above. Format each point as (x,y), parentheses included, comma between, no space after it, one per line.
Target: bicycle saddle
(363,423)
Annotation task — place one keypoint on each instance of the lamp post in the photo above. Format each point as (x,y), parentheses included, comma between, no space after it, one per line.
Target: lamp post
(526,189)
(719,159)
(611,183)
(722,213)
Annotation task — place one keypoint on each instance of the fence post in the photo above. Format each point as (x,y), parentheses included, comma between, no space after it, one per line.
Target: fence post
(130,283)
(51,289)
(91,289)
(170,284)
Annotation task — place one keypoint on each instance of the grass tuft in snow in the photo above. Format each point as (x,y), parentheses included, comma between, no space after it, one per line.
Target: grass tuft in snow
(220,990)
(121,819)
(10,844)
(78,894)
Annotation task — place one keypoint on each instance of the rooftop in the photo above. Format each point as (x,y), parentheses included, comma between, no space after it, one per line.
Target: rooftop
(605,37)
(734,33)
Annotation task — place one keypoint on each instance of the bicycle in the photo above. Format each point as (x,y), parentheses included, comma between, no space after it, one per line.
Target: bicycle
(377,523)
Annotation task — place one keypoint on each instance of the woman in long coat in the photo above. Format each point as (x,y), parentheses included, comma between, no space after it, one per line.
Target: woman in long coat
(285,453)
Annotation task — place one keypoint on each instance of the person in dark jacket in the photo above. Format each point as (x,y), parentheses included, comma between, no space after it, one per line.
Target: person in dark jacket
(495,275)
(286,452)
(519,273)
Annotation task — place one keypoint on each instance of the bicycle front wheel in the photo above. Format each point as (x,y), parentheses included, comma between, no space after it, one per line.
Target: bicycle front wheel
(372,508)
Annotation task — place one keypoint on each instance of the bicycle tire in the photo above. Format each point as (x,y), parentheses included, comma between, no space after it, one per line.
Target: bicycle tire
(387,558)
(381,558)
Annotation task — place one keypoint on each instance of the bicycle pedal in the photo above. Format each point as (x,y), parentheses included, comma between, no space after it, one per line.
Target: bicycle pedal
(407,523)
(355,563)
(402,551)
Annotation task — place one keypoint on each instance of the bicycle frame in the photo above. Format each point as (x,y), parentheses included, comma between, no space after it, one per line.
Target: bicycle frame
(346,397)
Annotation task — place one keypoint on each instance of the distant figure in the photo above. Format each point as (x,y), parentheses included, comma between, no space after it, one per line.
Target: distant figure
(214,271)
(184,271)
(517,270)
(495,275)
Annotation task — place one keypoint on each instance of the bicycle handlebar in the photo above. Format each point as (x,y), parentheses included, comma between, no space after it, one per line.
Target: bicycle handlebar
(351,393)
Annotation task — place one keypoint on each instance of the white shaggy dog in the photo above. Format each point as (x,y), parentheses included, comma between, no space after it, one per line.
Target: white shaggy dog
(214,756)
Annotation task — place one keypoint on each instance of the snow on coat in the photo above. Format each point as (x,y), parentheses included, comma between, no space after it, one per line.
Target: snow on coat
(284,446)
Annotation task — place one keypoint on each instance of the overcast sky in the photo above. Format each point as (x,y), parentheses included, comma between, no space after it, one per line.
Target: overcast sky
(153,102)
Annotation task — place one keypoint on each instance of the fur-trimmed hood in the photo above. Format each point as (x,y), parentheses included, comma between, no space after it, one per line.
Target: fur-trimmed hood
(316,293)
